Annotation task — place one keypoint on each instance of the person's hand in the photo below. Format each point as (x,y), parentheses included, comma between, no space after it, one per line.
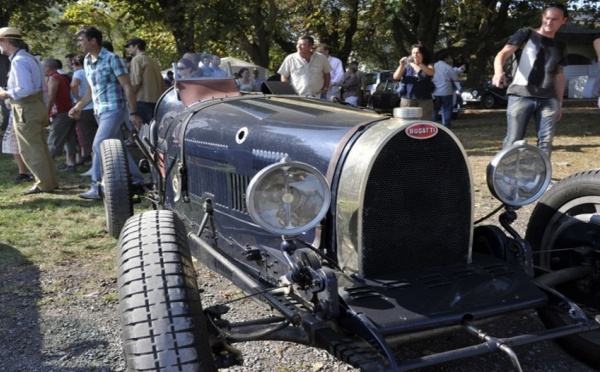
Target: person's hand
(136,120)
(75,112)
(3,94)
(499,80)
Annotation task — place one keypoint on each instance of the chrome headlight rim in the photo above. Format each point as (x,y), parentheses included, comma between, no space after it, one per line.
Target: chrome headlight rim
(523,153)
(256,204)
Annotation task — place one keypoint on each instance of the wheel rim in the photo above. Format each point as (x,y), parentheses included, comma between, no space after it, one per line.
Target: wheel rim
(488,102)
(567,233)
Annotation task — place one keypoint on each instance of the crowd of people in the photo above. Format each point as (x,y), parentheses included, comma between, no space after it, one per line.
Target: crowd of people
(101,92)
(99,95)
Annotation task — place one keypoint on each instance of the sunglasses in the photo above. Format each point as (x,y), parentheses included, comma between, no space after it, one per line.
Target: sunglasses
(182,68)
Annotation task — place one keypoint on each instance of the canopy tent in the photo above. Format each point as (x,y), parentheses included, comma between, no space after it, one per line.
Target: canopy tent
(237,64)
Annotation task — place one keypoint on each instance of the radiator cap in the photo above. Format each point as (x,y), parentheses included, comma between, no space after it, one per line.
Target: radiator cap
(408,113)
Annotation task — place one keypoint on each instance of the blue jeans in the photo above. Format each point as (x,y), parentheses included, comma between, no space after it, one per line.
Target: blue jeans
(444,103)
(521,109)
(109,127)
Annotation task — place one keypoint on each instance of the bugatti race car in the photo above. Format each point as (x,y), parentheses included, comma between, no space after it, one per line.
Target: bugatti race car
(356,229)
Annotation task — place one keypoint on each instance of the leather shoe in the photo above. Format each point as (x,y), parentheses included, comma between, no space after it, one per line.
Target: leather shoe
(91,194)
(32,190)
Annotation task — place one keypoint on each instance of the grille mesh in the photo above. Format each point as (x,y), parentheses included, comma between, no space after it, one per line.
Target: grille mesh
(417,207)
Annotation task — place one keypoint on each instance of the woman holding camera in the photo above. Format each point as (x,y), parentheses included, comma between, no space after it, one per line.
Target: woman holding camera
(416,72)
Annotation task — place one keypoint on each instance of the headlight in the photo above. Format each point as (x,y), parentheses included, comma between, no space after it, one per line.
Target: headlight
(519,174)
(288,198)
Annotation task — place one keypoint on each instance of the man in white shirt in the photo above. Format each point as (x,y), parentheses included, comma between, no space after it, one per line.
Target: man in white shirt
(337,73)
(308,72)
(26,89)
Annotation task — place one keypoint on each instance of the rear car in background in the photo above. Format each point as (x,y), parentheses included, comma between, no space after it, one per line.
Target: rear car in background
(385,96)
(487,96)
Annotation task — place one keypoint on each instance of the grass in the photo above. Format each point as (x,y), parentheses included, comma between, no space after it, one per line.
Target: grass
(62,229)
(51,229)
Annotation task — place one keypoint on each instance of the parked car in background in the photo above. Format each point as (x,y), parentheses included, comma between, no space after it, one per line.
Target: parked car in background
(374,78)
(488,96)
(384,98)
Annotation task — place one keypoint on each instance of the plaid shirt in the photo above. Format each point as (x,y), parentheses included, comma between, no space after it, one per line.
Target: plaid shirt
(107,92)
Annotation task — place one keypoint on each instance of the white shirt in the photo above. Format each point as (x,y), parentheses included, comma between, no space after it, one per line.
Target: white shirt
(307,78)
(444,78)
(26,76)
(337,71)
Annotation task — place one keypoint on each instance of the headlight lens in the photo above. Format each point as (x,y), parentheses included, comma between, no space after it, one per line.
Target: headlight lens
(288,198)
(519,174)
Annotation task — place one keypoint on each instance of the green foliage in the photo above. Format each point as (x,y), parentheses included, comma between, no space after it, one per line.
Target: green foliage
(376,33)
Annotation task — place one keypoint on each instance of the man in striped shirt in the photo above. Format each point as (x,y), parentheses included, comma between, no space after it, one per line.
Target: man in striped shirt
(111,91)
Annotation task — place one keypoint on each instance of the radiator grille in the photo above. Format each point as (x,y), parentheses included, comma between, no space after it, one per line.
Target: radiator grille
(417,206)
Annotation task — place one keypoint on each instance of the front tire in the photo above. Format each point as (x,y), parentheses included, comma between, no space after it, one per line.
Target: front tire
(162,320)
(559,223)
(116,189)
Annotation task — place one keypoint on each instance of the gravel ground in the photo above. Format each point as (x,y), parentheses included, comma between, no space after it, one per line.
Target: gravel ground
(75,327)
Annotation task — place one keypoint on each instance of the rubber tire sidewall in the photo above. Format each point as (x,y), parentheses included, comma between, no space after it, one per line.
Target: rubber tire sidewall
(116,189)
(162,318)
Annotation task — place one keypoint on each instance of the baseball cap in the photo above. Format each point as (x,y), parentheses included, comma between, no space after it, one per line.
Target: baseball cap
(136,41)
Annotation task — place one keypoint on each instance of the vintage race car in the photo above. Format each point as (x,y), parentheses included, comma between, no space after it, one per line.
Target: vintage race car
(356,229)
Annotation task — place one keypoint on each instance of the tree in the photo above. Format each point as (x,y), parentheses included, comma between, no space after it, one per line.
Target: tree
(376,33)
(28,15)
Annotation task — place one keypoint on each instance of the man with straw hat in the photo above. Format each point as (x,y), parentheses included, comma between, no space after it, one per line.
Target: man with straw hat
(26,88)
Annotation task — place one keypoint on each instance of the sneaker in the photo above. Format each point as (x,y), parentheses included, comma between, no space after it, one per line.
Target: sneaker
(23,177)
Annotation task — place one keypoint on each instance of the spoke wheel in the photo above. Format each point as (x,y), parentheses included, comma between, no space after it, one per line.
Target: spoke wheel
(562,237)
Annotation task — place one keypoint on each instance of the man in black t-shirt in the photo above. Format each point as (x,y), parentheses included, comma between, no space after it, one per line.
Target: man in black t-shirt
(538,83)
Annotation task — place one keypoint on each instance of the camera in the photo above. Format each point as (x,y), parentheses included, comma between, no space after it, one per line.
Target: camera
(409,60)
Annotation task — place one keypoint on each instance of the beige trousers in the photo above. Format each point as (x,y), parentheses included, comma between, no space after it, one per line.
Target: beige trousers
(30,118)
